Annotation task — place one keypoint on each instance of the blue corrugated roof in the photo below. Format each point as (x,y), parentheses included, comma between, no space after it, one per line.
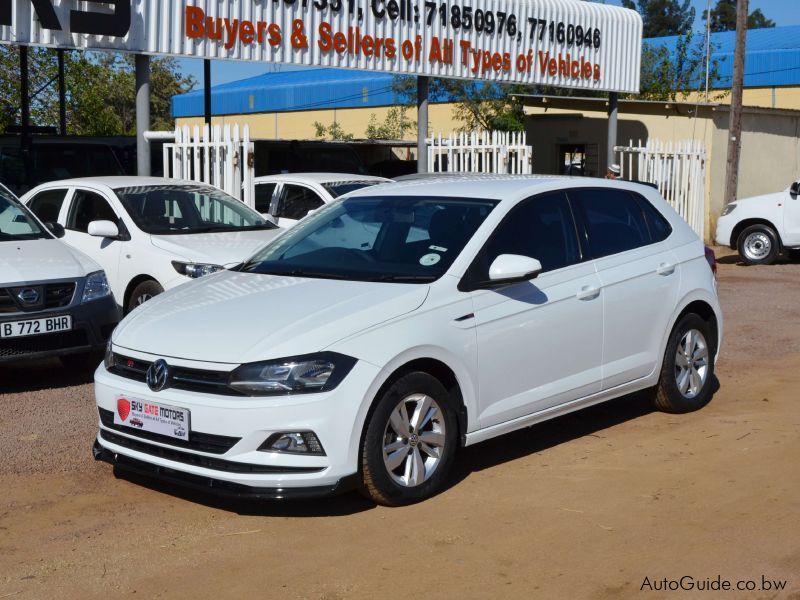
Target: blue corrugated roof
(773,59)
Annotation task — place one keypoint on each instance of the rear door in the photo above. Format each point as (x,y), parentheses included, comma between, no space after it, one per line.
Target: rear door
(639,275)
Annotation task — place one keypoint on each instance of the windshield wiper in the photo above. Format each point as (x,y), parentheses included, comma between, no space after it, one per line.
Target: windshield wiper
(404,278)
(297,273)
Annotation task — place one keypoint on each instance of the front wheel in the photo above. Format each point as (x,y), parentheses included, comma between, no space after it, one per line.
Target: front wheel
(410,441)
(758,245)
(688,370)
(142,293)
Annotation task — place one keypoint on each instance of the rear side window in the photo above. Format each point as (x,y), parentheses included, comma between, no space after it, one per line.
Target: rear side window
(88,207)
(47,204)
(614,220)
(297,201)
(659,227)
(264,193)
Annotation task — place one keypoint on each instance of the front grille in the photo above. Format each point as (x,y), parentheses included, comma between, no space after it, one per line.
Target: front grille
(192,380)
(51,295)
(197,460)
(201,442)
(15,347)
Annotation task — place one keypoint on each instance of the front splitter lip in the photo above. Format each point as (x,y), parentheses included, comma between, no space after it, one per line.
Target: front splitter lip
(218,487)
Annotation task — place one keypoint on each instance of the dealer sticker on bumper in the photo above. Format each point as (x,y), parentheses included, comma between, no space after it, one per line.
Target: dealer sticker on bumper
(155,418)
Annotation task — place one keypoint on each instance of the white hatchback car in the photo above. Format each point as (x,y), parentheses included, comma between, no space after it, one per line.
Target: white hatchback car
(151,234)
(290,197)
(762,227)
(369,342)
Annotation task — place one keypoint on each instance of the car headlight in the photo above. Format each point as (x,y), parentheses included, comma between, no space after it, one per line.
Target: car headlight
(195,270)
(96,287)
(108,360)
(293,375)
(728,209)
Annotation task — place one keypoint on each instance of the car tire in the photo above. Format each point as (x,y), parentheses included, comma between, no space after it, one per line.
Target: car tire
(81,362)
(686,382)
(758,245)
(142,293)
(410,441)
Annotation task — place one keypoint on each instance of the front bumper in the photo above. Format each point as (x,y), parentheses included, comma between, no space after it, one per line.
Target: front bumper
(724,232)
(92,325)
(226,431)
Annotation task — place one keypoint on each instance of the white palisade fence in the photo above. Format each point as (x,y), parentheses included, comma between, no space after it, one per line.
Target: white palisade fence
(218,156)
(679,171)
(480,152)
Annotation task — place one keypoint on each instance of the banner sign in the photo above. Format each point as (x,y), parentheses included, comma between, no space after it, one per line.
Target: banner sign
(562,43)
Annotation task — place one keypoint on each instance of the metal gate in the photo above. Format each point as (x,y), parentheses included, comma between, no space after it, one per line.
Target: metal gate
(216,155)
(679,171)
(480,152)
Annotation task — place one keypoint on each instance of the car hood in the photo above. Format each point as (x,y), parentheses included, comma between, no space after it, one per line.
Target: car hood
(233,317)
(41,260)
(224,248)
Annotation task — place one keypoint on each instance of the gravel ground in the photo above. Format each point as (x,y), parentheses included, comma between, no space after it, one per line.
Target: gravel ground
(585,506)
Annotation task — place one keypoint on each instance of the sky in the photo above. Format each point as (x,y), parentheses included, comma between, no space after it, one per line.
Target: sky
(783,12)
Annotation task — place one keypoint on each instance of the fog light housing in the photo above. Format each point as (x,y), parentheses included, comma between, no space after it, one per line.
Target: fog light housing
(293,442)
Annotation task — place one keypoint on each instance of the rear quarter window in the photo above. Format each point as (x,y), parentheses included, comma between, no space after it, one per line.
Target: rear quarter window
(657,224)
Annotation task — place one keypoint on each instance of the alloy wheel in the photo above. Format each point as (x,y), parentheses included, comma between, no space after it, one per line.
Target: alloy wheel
(691,363)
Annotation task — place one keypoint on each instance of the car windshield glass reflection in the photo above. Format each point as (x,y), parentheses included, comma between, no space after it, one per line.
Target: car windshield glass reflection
(394,239)
(184,209)
(15,222)
(340,188)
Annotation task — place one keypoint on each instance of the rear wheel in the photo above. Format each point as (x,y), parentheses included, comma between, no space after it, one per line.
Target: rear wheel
(142,293)
(410,441)
(687,373)
(758,245)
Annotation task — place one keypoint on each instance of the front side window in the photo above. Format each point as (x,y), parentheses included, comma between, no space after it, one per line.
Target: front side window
(614,221)
(16,223)
(187,209)
(47,204)
(541,227)
(87,207)
(297,201)
(406,239)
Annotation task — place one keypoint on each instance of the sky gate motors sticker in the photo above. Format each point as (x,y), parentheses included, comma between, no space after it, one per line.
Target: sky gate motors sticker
(155,418)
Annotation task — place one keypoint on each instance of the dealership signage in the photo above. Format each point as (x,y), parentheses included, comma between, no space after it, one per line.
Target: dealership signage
(564,43)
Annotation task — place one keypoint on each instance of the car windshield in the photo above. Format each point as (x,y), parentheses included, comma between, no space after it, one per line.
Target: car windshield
(16,223)
(186,209)
(404,239)
(340,188)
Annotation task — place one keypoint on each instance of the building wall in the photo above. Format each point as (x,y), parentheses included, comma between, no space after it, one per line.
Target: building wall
(763,97)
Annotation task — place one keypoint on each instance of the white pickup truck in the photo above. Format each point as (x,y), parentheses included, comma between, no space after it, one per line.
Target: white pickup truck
(762,227)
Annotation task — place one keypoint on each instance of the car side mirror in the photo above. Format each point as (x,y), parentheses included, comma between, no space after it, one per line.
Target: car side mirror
(512,268)
(55,228)
(103,229)
(794,190)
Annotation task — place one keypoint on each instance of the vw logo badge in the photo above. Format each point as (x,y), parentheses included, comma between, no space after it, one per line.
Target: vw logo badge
(28,295)
(158,375)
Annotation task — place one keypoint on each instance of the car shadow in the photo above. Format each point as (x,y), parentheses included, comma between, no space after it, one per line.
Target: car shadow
(491,453)
(44,374)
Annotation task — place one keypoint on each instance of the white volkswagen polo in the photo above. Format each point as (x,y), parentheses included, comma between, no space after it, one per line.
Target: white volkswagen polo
(372,340)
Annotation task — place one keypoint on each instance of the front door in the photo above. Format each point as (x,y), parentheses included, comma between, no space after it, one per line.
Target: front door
(791,219)
(539,341)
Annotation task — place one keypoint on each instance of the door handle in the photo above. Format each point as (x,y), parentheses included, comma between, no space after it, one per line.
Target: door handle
(588,292)
(665,269)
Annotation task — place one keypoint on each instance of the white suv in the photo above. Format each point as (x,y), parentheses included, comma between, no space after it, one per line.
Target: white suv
(151,234)
(369,342)
(762,227)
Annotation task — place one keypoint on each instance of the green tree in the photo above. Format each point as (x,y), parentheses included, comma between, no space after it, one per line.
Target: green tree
(101,92)
(394,126)
(723,17)
(334,131)
(663,17)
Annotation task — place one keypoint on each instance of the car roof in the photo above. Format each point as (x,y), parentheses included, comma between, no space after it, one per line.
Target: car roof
(119,181)
(509,188)
(320,177)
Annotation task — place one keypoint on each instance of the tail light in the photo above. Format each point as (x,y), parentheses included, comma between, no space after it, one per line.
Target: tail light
(712,260)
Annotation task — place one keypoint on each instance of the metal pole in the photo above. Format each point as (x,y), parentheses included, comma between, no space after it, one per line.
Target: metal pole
(207,91)
(142,114)
(62,94)
(735,124)
(613,98)
(25,105)
(422,124)
(708,46)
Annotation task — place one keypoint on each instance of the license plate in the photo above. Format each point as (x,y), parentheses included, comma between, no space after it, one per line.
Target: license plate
(31,327)
(152,417)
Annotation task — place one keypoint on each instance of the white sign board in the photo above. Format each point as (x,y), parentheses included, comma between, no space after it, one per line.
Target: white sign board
(563,43)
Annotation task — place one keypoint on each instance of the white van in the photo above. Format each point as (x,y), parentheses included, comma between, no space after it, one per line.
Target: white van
(54,301)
